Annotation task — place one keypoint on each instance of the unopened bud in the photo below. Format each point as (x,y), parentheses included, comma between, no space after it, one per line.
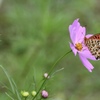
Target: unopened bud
(44,94)
(25,93)
(46,75)
(33,93)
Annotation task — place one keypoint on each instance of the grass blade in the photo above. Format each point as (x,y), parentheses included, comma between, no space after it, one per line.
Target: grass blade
(8,77)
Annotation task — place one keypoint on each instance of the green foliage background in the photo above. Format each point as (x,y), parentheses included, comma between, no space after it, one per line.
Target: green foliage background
(34,33)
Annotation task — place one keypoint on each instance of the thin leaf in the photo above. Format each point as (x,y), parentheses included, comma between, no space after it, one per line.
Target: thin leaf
(17,93)
(57,71)
(8,77)
(9,96)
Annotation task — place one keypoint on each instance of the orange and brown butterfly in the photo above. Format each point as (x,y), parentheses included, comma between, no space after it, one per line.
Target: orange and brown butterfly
(93,44)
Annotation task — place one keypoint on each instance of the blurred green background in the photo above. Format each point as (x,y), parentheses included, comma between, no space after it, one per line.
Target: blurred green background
(34,33)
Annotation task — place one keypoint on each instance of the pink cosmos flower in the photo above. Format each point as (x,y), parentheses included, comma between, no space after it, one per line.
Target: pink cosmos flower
(77,35)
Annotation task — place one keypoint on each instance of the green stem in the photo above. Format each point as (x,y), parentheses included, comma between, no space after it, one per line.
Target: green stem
(53,66)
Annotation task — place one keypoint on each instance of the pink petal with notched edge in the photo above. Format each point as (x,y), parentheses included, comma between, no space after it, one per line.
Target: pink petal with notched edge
(73,49)
(81,34)
(89,35)
(72,29)
(86,63)
(77,32)
(87,54)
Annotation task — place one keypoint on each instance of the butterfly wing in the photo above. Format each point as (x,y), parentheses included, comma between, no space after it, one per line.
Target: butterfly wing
(96,36)
(93,44)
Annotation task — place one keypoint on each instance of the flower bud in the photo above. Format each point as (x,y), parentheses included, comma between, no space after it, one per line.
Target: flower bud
(46,75)
(33,93)
(44,94)
(24,93)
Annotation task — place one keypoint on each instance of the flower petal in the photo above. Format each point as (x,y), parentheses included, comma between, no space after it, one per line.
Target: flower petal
(73,49)
(87,54)
(86,63)
(77,32)
(72,28)
(81,34)
(89,35)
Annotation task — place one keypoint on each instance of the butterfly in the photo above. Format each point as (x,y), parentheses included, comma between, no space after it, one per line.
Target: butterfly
(93,44)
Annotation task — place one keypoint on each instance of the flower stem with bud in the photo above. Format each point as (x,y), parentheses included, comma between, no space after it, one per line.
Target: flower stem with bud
(53,66)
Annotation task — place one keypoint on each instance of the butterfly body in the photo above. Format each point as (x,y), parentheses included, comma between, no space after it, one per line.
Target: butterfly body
(93,44)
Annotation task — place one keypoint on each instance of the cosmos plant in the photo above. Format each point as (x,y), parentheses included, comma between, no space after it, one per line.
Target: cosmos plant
(85,46)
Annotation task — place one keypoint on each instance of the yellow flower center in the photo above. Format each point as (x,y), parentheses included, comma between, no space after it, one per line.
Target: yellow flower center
(78,46)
